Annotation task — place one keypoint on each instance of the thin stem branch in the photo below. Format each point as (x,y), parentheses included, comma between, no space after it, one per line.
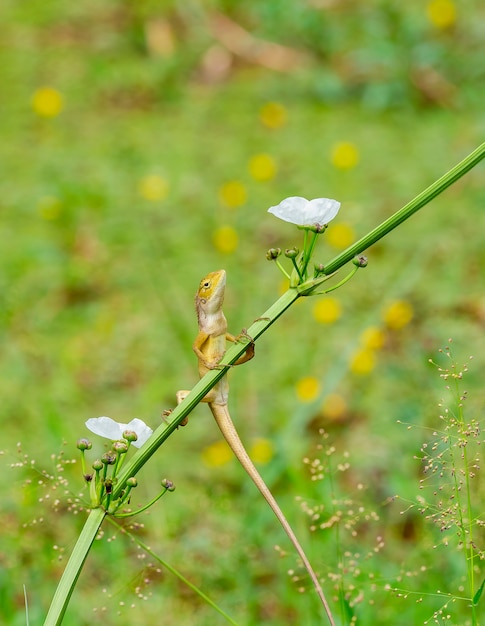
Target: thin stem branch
(173,571)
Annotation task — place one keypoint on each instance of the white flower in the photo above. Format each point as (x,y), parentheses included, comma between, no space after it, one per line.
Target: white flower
(303,212)
(106,427)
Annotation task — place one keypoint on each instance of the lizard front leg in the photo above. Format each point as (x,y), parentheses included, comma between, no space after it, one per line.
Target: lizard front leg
(207,356)
(249,352)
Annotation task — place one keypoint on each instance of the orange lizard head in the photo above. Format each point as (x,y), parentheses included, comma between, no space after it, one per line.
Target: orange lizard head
(210,294)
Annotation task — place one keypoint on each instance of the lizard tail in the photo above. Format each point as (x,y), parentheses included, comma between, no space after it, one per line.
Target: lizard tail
(229,432)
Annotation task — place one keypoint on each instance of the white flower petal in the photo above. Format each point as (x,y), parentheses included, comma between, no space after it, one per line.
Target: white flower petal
(290,209)
(323,209)
(303,212)
(108,428)
(141,429)
(105,427)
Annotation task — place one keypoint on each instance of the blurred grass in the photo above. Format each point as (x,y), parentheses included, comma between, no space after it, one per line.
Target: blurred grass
(99,267)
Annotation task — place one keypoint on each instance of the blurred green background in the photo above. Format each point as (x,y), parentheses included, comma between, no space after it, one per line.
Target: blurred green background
(142,143)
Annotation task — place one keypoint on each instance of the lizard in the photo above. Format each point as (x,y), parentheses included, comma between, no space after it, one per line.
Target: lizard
(209,347)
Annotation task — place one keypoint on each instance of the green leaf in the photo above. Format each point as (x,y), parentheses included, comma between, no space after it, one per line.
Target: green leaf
(348,611)
(478,594)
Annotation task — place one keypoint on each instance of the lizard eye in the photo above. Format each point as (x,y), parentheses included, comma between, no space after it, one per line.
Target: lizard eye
(206,284)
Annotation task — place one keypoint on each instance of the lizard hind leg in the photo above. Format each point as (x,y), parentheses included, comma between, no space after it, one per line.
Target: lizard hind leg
(214,395)
(183,393)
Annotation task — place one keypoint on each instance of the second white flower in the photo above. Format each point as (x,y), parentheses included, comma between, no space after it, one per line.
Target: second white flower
(303,212)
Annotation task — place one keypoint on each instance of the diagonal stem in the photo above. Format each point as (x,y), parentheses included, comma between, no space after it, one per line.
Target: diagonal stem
(409,209)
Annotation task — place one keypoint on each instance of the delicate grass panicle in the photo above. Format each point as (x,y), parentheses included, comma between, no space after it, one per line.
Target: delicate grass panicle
(451,495)
(352,525)
(50,486)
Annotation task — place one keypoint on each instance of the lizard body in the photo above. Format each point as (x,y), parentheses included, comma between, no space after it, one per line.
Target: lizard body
(210,347)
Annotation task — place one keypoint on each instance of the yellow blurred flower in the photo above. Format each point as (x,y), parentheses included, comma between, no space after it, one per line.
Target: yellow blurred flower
(217,454)
(308,388)
(225,239)
(284,286)
(441,13)
(344,155)
(262,167)
(261,451)
(334,406)
(47,102)
(327,310)
(153,188)
(233,194)
(49,208)
(273,115)
(340,236)
(363,362)
(398,314)
(372,338)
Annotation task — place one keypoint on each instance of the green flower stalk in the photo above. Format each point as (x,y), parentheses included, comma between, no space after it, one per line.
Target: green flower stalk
(167,485)
(83,445)
(95,484)
(312,216)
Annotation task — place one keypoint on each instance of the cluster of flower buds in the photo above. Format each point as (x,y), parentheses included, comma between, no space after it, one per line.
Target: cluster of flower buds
(106,469)
(312,216)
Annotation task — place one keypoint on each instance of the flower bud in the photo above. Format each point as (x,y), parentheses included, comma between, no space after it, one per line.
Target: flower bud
(292,253)
(84,444)
(315,228)
(97,465)
(273,253)
(319,228)
(168,484)
(360,261)
(130,435)
(120,447)
(131,482)
(108,458)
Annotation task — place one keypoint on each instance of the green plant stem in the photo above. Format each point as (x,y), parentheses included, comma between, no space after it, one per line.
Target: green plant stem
(297,269)
(307,253)
(73,568)
(260,326)
(468,545)
(409,209)
(282,269)
(141,509)
(466,525)
(83,463)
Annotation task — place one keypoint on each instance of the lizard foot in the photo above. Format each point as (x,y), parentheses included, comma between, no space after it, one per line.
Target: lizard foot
(167,412)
